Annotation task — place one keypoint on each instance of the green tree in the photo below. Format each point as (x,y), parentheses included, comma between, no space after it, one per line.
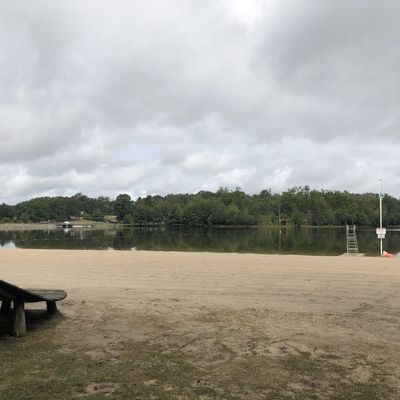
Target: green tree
(174,216)
(122,206)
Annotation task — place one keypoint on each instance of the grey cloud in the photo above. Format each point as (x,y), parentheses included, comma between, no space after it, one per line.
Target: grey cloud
(335,63)
(159,97)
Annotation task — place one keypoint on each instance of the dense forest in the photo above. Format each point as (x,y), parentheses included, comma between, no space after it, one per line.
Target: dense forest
(296,206)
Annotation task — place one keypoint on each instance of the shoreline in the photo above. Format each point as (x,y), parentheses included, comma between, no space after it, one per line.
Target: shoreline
(22,226)
(86,224)
(34,225)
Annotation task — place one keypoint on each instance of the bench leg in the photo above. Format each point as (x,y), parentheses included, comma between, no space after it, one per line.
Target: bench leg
(5,307)
(19,319)
(51,306)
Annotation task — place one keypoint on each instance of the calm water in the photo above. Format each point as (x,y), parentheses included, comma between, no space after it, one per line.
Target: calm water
(323,241)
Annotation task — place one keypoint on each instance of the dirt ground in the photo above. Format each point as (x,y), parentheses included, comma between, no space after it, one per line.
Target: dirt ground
(169,325)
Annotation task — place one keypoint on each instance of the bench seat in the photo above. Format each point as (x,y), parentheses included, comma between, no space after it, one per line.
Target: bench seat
(13,294)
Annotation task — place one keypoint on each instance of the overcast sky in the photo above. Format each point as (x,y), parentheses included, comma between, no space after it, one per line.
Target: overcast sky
(154,97)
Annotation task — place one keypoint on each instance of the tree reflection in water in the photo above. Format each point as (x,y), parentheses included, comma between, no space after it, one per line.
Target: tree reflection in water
(269,240)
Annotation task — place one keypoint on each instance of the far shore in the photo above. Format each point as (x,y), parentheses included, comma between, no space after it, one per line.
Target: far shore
(27,226)
(106,225)
(86,224)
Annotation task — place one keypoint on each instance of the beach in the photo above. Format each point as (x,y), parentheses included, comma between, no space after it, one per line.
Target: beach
(208,325)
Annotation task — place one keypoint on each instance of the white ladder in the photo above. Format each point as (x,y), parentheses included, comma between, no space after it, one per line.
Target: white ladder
(352,244)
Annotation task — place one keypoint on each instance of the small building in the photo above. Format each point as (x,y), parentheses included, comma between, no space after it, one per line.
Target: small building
(66,225)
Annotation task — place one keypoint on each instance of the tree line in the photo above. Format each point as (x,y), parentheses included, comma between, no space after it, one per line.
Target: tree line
(295,206)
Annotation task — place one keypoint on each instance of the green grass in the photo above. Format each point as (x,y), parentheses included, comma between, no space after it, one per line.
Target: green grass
(45,366)
(32,369)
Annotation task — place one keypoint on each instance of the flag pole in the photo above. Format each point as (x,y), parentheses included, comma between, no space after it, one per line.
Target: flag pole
(380,215)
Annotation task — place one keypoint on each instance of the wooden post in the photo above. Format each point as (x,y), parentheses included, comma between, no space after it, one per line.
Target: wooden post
(5,307)
(19,318)
(51,306)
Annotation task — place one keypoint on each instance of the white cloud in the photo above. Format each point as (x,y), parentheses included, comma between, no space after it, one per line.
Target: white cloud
(155,97)
(249,11)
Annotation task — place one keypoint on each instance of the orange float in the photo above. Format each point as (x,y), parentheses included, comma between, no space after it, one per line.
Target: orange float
(388,255)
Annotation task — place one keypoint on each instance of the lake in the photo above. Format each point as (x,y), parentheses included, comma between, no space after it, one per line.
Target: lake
(266,240)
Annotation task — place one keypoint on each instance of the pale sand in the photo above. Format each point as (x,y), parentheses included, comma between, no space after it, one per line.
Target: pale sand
(219,307)
(282,283)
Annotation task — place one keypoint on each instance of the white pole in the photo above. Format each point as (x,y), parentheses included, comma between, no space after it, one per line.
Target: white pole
(380,206)
(380,214)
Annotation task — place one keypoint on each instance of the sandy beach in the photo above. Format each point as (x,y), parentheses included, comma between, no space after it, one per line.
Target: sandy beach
(245,326)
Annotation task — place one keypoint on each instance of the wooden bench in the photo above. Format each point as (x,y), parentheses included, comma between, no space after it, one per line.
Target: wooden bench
(18,296)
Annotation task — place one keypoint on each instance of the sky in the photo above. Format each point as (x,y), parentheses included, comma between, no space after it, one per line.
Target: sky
(155,97)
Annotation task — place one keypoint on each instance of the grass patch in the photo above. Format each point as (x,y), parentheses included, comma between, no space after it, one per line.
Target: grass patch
(40,368)
(331,379)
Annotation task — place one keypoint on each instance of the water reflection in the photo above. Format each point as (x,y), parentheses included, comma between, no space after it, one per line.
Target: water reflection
(272,240)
